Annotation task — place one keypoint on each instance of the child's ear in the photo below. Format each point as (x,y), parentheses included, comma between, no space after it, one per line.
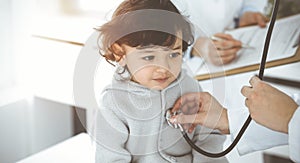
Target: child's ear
(119,54)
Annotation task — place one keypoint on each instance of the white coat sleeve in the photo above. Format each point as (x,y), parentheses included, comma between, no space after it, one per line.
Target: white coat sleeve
(256,137)
(294,133)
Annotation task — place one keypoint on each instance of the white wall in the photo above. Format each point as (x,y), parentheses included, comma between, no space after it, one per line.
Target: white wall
(6,58)
(15,20)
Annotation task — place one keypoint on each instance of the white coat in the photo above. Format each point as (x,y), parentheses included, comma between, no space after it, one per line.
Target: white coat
(213,16)
(258,137)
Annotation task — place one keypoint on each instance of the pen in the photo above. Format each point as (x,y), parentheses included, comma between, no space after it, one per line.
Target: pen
(243,44)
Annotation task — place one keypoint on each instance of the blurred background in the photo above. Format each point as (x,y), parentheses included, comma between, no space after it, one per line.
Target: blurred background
(39,44)
(286,7)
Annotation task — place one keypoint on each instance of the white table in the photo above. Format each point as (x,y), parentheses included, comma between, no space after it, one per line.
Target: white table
(78,149)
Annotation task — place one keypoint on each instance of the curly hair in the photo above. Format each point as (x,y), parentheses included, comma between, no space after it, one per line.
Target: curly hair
(116,30)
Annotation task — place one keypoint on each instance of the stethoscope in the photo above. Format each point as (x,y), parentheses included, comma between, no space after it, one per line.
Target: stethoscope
(247,122)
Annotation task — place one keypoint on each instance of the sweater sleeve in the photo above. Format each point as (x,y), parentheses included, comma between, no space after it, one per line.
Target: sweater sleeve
(209,140)
(111,136)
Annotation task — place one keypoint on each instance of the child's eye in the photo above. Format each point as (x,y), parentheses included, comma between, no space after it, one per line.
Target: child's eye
(174,55)
(148,58)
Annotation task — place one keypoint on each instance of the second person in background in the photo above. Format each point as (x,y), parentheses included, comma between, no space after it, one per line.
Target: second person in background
(213,18)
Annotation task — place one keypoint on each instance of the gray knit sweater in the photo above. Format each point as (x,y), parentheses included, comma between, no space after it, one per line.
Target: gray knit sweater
(131,125)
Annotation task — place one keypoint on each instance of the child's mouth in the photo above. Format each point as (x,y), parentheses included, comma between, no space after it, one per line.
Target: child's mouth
(161,80)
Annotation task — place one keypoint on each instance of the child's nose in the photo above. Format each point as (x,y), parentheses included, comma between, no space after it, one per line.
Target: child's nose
(161,69)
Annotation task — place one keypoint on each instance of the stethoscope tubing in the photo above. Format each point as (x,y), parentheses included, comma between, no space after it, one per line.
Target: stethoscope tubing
(247,122)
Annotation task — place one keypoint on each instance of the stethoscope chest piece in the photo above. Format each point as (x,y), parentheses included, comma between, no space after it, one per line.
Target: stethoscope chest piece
(169,114)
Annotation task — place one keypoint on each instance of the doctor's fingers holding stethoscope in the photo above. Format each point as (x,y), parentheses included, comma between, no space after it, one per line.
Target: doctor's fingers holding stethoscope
(207,112)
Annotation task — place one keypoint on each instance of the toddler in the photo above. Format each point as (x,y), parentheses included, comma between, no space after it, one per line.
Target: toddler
(149,77)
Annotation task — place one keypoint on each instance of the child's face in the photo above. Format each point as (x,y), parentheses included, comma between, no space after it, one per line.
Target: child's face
(154,67)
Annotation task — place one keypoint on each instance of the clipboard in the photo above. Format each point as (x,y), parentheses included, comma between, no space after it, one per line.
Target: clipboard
(292,59)
(254,35)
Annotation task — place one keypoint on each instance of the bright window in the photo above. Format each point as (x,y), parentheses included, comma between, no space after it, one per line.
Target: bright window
(99,5)
(6,57)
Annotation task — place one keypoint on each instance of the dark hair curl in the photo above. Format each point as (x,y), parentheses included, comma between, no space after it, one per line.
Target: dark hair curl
(114,31)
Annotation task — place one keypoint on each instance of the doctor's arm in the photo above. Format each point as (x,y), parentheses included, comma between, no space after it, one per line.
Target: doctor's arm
(252,13)
(217,51)
(225,49)
(213,115)
(252,18)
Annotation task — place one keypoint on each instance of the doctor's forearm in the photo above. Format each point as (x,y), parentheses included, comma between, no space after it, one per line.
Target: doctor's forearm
(224,122)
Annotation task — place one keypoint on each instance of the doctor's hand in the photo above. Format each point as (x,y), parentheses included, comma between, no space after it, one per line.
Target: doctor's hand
(268,106)
(200,108)
(253,18)
(218,51)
